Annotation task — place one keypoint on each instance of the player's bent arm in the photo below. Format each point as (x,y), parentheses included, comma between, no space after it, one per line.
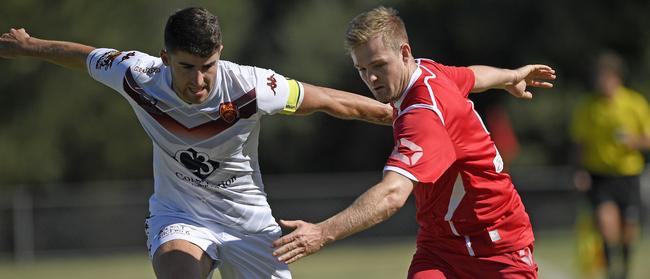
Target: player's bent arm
(514,81)
(344,105)
(18,43)
(487,77)
(373,207)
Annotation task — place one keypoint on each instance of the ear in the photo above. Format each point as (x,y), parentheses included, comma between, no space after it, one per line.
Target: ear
(405,51)
(218,51)
(164,56)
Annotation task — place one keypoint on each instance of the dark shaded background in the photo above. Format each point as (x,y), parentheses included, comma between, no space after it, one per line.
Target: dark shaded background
(61,126)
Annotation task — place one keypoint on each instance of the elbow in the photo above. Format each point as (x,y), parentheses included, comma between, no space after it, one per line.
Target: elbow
(479,85)
(395,200)
(387,118)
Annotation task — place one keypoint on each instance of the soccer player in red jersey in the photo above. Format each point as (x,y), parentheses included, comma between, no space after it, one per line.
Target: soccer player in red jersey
(474,229)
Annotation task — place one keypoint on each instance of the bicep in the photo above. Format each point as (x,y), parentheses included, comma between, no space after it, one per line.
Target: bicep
(315,99)
(465,78)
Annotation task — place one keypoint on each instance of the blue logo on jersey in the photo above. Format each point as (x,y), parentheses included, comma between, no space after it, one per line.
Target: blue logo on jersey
(197,162)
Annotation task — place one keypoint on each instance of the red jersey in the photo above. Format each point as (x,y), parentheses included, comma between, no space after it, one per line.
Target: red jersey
(439,137)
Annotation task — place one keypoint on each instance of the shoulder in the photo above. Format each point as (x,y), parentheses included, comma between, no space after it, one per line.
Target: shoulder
(439,69)
(111,60)
(241,71)
(417,118)
(110,66)
(106,58)
(250,76)
(633,95)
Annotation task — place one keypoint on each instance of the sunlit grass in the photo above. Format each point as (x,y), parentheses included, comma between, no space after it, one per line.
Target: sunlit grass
(377,259)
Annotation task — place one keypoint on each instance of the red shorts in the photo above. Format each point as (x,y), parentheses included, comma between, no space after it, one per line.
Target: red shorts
(430,264)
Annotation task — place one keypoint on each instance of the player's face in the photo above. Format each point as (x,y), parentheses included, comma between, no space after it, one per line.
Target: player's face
(384,70)
(193,77)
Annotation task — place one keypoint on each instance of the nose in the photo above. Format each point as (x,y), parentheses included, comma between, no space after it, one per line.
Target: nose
(198,77)
(372,77)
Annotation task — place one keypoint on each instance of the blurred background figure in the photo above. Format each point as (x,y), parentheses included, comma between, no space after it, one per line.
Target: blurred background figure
(611,128)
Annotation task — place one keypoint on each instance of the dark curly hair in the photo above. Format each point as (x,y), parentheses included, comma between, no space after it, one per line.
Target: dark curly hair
(193,30)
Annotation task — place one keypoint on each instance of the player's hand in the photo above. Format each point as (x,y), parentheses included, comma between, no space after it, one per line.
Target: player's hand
(530,75)
(13,43)
(306,239)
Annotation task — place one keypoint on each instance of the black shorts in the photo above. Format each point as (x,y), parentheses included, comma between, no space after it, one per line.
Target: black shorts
(625,191)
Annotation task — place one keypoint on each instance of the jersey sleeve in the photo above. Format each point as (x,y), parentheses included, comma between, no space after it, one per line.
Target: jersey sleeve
(423,150)
(109,66)
(277,94)
(463,77)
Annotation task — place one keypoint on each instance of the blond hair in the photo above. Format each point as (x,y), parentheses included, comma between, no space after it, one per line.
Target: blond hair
(380,21)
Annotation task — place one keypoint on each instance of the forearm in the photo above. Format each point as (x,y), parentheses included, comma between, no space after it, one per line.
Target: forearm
(345,105)
(353,106)
(487,77)
(371,208)
(67,54)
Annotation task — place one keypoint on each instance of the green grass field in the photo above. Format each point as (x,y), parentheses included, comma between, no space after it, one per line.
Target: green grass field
(555,253)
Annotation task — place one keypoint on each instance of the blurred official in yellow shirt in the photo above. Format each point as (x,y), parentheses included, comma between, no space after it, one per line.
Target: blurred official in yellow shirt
(611,128)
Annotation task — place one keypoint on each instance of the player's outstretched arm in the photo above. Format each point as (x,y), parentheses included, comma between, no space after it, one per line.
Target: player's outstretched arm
(514,81)
(18,43)
(344,105)
(372,207)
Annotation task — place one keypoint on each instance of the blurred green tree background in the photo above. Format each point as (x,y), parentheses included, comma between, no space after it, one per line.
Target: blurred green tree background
(61,126)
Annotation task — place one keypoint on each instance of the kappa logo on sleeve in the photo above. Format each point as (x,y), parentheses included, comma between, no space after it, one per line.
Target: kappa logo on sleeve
(413,152)
(272,83)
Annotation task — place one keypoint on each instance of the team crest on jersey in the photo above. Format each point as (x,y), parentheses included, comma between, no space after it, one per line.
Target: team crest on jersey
(228,112)
(105,62)
(198,163)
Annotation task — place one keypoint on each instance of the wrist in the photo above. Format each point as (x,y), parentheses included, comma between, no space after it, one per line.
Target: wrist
(327,234)
(32,47)
(513,77)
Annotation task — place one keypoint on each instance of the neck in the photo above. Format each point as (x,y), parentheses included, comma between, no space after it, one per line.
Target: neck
(411,66)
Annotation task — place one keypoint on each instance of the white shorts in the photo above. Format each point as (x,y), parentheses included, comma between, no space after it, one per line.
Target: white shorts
(237,255)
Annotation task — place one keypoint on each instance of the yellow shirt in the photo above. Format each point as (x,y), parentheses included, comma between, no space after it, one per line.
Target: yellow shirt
(598,125)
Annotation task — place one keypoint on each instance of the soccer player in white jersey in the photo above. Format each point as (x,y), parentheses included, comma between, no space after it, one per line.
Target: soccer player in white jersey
(209,208)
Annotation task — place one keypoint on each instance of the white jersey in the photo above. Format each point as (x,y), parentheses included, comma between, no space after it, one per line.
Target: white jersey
(204,155)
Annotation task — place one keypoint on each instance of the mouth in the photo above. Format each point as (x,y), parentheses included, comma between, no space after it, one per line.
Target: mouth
(198,91)
(196,95)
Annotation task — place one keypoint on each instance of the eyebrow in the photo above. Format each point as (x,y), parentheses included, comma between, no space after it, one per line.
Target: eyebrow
(373,62)
(192,65)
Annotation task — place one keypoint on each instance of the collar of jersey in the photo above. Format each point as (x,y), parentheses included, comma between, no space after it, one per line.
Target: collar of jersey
(414,77)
